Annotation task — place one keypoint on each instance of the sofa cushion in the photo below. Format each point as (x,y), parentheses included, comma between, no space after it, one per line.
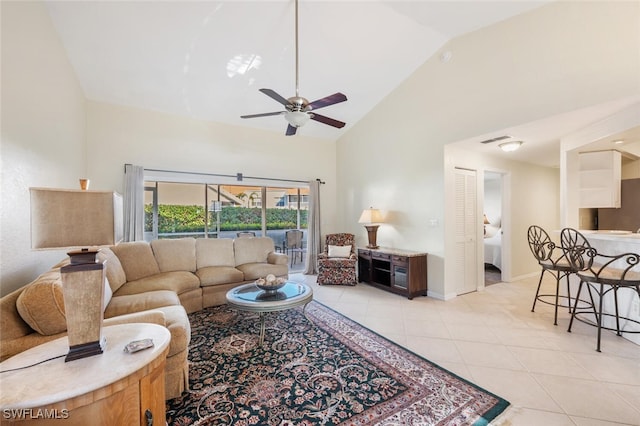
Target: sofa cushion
(41,304)
(252,250)
(137,259)
(115,273)
(177,281)
(175,254)
(253,271)
(213,275)
(173,317)
(129,303)
(214,252)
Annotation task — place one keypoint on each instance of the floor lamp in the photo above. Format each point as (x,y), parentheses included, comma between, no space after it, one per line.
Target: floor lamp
(371,218)
(70,219)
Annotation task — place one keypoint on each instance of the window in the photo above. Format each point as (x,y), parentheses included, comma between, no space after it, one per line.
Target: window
(174,210)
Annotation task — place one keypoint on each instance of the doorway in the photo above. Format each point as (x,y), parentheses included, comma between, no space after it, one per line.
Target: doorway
(493,215)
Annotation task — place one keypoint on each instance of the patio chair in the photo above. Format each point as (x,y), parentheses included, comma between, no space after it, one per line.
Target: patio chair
(292,245)
(245,234)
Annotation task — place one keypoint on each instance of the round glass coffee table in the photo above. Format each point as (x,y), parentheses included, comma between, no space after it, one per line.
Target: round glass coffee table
(249,297)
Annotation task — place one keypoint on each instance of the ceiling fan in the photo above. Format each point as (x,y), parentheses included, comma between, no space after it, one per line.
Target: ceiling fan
(298,110)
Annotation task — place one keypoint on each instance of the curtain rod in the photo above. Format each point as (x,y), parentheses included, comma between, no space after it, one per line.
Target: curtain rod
(238,176)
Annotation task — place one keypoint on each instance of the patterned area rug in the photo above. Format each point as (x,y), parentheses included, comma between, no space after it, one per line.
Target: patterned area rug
(316,367)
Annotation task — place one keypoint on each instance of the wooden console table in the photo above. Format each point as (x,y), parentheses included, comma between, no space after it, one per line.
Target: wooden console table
(399,271)
(113,388)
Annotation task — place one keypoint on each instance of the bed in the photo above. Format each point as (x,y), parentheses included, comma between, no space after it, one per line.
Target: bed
(493,246)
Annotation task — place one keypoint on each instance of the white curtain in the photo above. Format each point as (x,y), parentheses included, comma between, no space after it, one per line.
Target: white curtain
(133,203)
(313,230)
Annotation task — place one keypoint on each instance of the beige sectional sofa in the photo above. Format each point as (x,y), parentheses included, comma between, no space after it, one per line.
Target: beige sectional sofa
(158,282)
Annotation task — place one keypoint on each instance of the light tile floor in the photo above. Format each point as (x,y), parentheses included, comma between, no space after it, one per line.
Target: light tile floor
(491,338)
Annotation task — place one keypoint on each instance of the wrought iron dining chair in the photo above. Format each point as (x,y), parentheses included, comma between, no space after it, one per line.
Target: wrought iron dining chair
(552,259)
(601,274)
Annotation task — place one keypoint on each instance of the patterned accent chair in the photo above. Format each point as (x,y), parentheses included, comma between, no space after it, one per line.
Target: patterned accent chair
(338,270)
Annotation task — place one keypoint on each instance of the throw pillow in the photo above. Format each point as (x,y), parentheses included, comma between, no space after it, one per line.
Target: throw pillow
(339,251)
(115,273)
(41,305)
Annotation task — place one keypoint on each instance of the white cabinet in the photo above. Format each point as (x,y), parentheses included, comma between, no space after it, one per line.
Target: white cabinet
(600,174)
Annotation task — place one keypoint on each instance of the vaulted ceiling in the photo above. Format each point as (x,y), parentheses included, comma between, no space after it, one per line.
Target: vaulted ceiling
(207,59)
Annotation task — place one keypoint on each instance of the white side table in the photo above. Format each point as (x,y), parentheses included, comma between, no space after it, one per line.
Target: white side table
(113,388)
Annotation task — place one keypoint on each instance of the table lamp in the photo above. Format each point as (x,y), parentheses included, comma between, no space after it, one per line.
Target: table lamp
(79,220)
(371,218)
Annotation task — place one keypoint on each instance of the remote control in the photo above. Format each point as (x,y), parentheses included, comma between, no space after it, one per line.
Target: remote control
(138,345)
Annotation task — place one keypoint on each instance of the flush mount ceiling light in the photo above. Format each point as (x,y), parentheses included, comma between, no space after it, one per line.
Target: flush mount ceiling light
(510,146)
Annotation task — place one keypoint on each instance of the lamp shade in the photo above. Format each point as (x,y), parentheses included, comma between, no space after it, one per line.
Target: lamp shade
(62,218)
(370,215)
(486,221)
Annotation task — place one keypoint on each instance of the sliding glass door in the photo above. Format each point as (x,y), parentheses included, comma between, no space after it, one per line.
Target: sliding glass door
(174,210)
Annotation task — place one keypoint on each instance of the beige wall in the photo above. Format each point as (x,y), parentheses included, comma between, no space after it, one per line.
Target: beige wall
(51,136)
(118,135)
(43,124)
(561,57)
(555,59)
(531,196)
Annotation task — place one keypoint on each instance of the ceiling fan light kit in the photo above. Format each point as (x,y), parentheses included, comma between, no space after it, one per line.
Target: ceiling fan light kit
(298,109)
(297,118)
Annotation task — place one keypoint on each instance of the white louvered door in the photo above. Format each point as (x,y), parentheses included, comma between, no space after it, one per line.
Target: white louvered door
(465,231)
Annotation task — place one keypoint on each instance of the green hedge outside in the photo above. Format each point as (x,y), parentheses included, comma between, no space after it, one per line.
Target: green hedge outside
(173,218)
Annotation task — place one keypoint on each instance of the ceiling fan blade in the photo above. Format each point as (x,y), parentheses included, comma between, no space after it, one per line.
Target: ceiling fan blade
(327,120)
(291,130)
(329,100)
(265,114)
(273,95)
